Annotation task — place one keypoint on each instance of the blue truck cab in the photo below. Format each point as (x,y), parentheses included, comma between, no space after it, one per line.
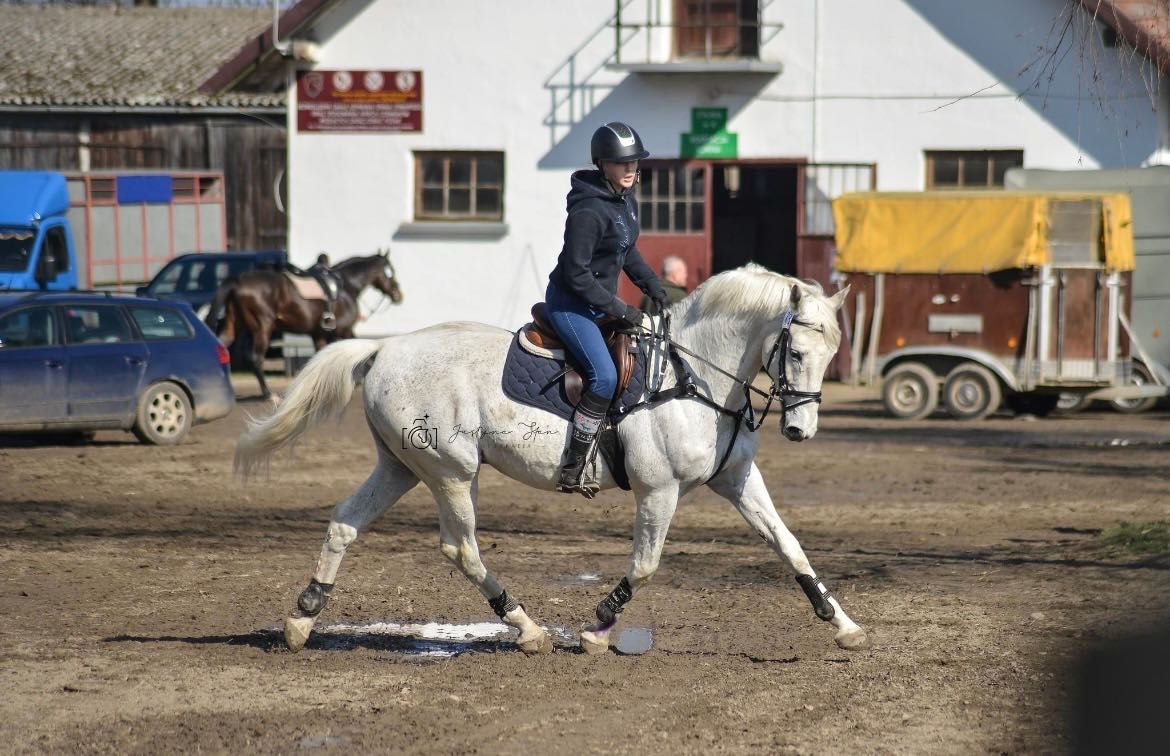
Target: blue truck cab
(36,243)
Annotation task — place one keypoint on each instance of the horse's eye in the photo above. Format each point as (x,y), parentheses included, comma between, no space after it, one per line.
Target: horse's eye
(797,356)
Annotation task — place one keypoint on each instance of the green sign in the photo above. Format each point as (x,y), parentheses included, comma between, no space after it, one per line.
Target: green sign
(713,146)
(708,120)
(709,137)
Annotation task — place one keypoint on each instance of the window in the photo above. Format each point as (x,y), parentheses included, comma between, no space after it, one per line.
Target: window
(160,323)
(717,29)
(15,249)
(969,169)
(30,327)
(671,198)
(96,324)
(56,249)
(459,186)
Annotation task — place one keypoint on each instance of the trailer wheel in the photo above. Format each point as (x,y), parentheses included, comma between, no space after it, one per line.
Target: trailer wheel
(1139,376)
(971,392)
(1072,402)
(910,391)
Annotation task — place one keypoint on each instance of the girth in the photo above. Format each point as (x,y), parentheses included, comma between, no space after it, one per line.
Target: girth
(540,333)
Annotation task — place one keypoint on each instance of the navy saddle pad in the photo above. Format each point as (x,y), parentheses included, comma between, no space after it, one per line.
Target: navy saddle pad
(529,379)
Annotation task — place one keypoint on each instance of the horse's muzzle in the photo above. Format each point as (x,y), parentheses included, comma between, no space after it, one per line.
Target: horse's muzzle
(793,433)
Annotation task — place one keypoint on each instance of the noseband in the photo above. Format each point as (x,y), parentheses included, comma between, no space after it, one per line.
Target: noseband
(780,386)
(745,416)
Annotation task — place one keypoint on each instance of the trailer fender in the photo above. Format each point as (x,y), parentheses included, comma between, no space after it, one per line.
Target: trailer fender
(952,356)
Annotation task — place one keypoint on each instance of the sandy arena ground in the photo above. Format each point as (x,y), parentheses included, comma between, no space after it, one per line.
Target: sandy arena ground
(142,587)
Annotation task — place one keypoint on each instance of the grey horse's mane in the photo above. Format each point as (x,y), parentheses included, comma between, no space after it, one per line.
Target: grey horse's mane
(753,290)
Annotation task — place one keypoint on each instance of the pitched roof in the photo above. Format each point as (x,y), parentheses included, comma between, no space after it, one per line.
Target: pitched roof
(1143,24)
(111,56)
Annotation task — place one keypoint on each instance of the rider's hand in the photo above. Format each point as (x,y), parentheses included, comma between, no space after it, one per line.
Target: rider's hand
(658,296)
(632,316)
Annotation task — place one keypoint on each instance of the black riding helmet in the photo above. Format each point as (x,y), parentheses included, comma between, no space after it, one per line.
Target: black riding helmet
(615,141)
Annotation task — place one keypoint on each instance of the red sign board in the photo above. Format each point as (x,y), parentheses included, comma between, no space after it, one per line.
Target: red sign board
(359,100)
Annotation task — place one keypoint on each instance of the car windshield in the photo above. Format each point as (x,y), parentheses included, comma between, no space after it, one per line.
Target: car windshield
(15,248)
(200,275)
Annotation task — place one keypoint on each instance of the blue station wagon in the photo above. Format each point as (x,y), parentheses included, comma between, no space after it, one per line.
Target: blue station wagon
(81,362)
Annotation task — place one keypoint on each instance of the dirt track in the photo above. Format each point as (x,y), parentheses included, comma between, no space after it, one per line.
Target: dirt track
(141,589)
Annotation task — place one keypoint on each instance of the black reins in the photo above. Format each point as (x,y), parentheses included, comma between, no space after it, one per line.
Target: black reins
(685,386)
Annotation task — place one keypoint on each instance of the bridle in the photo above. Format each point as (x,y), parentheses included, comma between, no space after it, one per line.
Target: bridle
(790,398)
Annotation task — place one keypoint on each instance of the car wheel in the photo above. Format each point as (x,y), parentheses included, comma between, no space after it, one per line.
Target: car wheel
(910,391)
(971,392)
(1138,376)
(164,415)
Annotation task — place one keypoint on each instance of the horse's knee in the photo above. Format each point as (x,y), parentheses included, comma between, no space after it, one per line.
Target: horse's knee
(465,558)
(340,536)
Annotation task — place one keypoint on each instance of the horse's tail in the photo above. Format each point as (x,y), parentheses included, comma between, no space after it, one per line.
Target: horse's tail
(321,390)
(222,311)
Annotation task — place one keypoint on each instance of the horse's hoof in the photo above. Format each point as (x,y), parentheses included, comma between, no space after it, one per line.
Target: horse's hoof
(592,644)
(854,639)
(296,632)
(538,643)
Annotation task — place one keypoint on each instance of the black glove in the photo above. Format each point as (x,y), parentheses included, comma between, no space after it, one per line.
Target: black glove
(658,297)
(632,316)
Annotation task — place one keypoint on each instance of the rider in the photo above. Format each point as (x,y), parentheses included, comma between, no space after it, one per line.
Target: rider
(328,280)
(600,235)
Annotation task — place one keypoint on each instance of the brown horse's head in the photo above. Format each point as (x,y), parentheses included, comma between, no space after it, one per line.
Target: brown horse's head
(387,282)
(376,270)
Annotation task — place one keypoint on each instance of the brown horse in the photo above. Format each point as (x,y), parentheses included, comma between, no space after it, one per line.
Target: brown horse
(263,301)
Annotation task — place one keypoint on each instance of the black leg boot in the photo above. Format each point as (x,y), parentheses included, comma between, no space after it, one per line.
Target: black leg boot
(586,420)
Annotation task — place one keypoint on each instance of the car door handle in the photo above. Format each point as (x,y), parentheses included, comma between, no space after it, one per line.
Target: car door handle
(55,364)
(135,361)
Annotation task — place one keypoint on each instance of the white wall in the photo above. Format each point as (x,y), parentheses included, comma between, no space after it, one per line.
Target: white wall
(863,81)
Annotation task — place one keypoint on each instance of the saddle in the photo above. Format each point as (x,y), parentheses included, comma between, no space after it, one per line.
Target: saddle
(539,337)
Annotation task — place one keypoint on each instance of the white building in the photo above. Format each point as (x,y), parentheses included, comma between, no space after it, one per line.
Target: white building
(447,129)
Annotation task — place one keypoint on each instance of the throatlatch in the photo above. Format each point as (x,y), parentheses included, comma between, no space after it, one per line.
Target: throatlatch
(503,604)
(611,606)
(314,598)
(818,594)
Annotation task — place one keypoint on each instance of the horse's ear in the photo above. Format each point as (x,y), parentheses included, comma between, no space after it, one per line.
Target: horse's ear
(794,300)
(838,299)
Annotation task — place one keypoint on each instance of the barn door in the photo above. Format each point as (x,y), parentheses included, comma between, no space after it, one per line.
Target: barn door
(674,204)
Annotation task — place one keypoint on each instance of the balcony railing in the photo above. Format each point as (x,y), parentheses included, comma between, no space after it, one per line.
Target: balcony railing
(713,31)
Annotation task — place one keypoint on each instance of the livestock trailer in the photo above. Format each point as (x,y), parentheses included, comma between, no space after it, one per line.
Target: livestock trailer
(969,299)
(1149,194)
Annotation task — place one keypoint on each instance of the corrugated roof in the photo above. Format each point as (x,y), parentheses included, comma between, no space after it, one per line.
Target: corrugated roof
(123,56)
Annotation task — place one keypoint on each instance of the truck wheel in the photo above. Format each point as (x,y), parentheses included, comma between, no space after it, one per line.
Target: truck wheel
(164,415)
(1139,376)
(910,391)
(971,392)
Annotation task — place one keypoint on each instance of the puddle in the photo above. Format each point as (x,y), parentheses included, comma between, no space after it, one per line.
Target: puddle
(634,641)
(441,640)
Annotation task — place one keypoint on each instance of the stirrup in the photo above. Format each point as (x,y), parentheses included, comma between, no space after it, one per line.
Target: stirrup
(573,478)
(328,321)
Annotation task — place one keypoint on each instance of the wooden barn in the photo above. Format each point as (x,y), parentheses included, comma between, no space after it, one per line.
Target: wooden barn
(110,89)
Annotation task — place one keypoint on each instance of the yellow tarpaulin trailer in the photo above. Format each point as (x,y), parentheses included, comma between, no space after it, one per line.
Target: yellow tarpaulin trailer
(979,232)
(973,299)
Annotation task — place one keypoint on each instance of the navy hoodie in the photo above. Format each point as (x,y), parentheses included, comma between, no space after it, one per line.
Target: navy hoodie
(600,234)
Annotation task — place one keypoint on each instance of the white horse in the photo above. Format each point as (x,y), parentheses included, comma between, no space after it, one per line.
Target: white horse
(448,377)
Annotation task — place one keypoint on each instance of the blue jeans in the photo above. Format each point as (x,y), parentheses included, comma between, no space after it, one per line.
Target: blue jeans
(576,323)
